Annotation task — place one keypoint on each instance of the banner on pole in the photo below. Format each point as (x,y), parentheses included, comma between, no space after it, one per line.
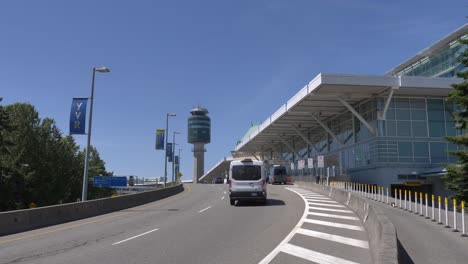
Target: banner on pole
(176,160)
(310,163)
(169,152)
(160,139)
(78,116)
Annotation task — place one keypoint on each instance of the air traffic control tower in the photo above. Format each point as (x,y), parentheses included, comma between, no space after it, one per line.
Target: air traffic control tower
(199,134)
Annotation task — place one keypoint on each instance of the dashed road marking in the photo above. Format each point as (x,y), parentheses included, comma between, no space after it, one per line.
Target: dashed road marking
(202,210)
(135,236)
(222,198)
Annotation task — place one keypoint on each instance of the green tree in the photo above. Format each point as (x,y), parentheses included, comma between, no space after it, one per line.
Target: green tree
(457,174)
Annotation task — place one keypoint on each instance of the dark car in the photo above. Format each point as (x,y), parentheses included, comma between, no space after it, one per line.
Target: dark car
(218,180)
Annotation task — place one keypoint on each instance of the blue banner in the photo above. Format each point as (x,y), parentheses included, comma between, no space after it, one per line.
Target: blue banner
(176,160)
(160,138)
(109,181)
(78,116)
(169,152)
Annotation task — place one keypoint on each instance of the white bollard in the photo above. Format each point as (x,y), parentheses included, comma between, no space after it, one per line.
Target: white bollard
(410,201)
(440,210)
(395,198)
(427,215)
(387,195)
(399,197)
(405,198)
(433,200)
(463,219)
(455,216)
(421,204)
(446,213)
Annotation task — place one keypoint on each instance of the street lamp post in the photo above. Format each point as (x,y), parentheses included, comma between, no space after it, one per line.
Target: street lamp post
(165,147)
(84,195)
(173,153)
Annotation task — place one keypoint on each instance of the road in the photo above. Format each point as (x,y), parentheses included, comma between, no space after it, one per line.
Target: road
(199,226)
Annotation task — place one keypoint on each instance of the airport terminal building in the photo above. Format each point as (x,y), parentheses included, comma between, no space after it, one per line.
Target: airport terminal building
(387,130)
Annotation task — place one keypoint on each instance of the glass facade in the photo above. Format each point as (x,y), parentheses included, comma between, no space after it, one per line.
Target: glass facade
(412,135)
(442,63)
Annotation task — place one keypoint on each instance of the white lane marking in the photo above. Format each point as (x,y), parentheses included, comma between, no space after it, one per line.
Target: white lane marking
(329,205)
(326,223)
(334,216)
(321,201)
(330,210)
(135,236)
(222,198)
(313,255)
(334,238)
(225,192)
(204,209)
(277,249)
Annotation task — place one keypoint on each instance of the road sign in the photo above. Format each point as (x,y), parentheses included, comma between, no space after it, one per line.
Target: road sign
(179,174)
(300,164)
(320,162)
(310,163)
(109,181)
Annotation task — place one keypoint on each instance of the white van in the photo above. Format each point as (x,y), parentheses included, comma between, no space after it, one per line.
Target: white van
(278,174)
(247,181)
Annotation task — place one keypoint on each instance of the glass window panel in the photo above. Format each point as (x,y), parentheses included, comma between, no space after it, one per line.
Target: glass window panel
(390,114)
(418,103)
(421,149)
(438,152)
(419,128)
(436,129)
(405,149)
(404,128)
(421,160)
(435,104)
(406,160)
(435,115)
(391,128)
(402,114)
(402,103)
(418,115)
(450,129)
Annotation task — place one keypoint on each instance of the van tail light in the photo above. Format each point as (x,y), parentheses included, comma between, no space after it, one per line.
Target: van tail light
(263,182)
(229,181)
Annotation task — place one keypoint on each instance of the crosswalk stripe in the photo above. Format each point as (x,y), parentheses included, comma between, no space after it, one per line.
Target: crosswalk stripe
(314,256)
(325,204)
(334,216)
(334,238)
(330,210)
(333,224)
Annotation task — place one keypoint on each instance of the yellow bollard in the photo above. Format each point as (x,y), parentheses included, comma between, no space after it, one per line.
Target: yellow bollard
(427,201)
(399,197)
(463,218)
(387,195)
(446,213)
(421,204)
(405,198)
(455,216)
(410,201)
(433,200)
(439,200)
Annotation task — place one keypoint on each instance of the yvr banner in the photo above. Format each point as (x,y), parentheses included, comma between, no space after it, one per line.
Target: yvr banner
(160,139)
(176,160)
(169,152)
(78,116)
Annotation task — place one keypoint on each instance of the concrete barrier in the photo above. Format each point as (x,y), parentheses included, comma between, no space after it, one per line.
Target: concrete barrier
(382,233)
(29,219)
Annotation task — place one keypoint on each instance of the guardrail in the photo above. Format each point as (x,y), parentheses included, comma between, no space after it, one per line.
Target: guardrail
(382,233)
(23,220)
(403,199)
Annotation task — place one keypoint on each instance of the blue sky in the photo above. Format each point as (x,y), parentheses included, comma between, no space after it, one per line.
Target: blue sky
(241,59)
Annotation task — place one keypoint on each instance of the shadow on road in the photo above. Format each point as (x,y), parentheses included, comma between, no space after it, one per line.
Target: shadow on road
(270,202)
(403,256)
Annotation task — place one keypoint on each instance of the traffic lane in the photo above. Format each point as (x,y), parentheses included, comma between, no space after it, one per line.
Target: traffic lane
(423,241)
(32,245)
(220,234)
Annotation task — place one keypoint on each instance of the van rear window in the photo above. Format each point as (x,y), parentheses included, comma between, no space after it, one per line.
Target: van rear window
(247,173)
(280,171)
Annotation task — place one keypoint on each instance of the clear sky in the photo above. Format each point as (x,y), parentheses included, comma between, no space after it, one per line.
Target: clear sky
(241,59)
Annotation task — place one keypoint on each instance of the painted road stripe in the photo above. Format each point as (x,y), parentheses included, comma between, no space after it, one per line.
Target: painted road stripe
(334,216)
(334,238)
(319,198)
(322,201)
(135,236)
(329,205)
(313,255)
(326,223)
(204,209)
(222,198)
(330,210)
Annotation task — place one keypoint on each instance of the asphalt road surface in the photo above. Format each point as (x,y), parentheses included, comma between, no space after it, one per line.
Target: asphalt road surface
(199,226)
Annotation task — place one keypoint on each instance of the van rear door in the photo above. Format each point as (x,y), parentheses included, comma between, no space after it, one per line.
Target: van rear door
(247,178)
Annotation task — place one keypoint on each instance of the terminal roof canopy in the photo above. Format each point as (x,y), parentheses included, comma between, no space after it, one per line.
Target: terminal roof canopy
(320,97)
